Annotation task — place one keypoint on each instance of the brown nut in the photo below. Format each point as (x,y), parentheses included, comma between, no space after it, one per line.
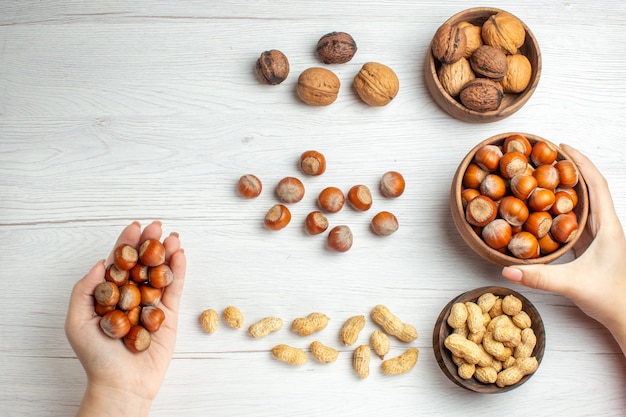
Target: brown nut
(481,95)
(518,74)
(489,62)
(449,43)
(272,67)
(504,31)
(336,48)
(318,86)
(376,84)
(454,76)
(473,35)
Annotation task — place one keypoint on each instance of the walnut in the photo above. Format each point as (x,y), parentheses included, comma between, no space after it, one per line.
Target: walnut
(473,34)
(376,84)
(518,75)
(449,43)
(318,86)
(336,48)
(454,76)
(489,62)
(482,95)
(272,67)
(504,31)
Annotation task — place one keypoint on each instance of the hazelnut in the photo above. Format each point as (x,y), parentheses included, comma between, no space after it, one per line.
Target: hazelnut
(518,74)
(336,48)
(331,199)
(473,35)
(272,67)
(376,84)
(481,95)
(392,184)
(277,217)
(315,223)
(312,163)
(504,31)
(160,276)
(318,86)
(454,76)
(290,190)
(249,186)
(384,223)
(152,252)
(340,238)
(138,339)
(449,43)
(360,197)
(489,62)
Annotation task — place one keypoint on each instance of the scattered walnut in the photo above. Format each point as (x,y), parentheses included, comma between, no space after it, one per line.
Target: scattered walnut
(376,84)
(336,48)
(272,67)
(318,86)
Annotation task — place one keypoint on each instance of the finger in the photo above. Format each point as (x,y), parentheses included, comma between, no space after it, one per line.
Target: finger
(552,278)
(173,292)
(129,236)
(81,306)
(152,231)
(600,201)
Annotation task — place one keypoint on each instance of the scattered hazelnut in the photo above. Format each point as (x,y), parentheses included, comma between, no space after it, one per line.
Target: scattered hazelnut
(360,197)
(384,223)
(290,190)
(336,48)
(277,217)
(376,84)
(340,238)
(392,184)
(331,199)
(249,186)
(272,67)
(315,223)
(312,163)
(318,86)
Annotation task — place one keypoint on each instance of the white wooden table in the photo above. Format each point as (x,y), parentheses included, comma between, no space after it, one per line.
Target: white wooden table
(123,110)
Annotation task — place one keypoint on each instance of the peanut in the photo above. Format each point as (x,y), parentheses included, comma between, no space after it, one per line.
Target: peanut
(290,355)
(350,330)
(513,375)
(361,361)
(458,315)
(209,319)
(310,324)
(511,305)
(510,335)
(527,344)
(522,320)
(392,324)
(495,348)
(233,317)
(401,364)
(496,310)
(486,301)
(486,375)
(474,318)
(265,326)
(323,353)
(380,343)
(466,370)
(463,348)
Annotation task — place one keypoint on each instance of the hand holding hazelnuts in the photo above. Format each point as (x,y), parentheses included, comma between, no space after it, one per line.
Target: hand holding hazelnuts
(128,300)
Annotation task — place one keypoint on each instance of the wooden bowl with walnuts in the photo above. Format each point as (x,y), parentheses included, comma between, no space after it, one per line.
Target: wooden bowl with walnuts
(517,198)
(483,65)
(489,340)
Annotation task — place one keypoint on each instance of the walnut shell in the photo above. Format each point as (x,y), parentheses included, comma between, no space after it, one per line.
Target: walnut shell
(489,62)
(272,67)
(504,31)
(454,76)
(318,86)
(376,84)
(336,48)
(449,43)
(473,34)
(482,95)
(518,75)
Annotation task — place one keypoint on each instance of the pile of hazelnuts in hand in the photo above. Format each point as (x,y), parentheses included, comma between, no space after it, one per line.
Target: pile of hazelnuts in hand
(520,198)
(290,190)
(128,300)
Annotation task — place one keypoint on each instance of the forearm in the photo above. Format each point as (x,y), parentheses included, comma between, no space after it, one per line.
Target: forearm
(101,401)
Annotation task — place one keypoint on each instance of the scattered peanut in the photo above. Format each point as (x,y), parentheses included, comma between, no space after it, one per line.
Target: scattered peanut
(233,317)
(350,330)
(401,364)
(380,343)
(392,324)
(209,319)
(323,353)
(361,361)
(310,324)
(290,355)
(265,326)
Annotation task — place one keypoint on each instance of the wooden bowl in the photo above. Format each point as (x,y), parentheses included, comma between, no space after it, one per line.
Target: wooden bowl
(442,330)
(474,240)
(510,103)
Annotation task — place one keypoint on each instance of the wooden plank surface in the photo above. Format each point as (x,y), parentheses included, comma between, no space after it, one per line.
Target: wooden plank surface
(116,111)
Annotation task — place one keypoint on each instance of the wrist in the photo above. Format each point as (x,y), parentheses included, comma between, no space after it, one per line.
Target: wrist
(104,401)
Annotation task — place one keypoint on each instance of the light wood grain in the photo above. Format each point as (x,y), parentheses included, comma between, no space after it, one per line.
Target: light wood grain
(116,111)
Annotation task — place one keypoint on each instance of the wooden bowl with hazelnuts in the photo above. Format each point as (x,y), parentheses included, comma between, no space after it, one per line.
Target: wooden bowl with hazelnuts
(483,65)
(517,198)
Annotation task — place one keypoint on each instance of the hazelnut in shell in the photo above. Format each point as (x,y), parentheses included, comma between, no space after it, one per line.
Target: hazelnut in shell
(336,48)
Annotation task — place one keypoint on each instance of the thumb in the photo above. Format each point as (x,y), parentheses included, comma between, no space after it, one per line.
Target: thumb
(81,300)
(552,278)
